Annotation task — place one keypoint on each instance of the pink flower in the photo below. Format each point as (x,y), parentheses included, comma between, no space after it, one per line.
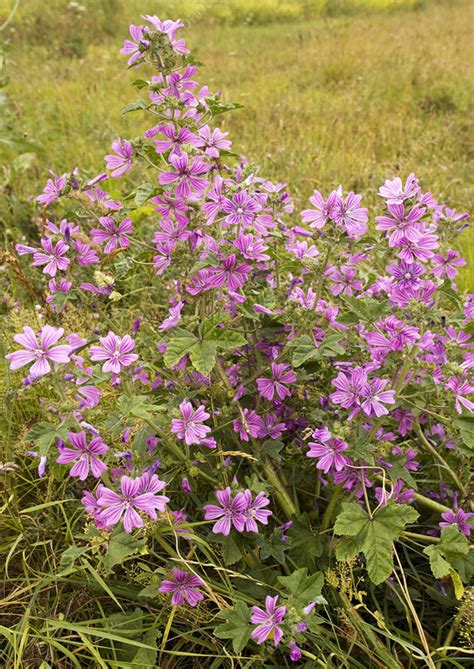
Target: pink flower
(116,351)
(328,450)
(183,586)
(268,621)
(214,142)
(240,209)
(189,427)
(84,455)
(52,190)
(52,257)
(229,273)
(231,512)
(256,511)
(395,193)
(139,493)
(122,162)
(323,210)
(374,396)
(461,387)
(173,318)
(115,234)
(447,266)
(350,215)
(186,175)
(41,352)
(268,387)
(137,45)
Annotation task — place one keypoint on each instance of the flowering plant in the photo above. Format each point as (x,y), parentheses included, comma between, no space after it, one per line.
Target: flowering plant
(299,383)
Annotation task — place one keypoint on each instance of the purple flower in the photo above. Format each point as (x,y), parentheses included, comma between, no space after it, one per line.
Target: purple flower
(84,455)
(328,450)
(459,518)
(136,45)
(252,248)
(240,210)
(268,621)
(231,512)
(115,351)
(447,265)
(173,318)
(189,427)
(375,397)
(416,244)
(186,175)
(214,142)
(395,193)
(121,163)
(323,210)
(52,190)
(348,214)
(399,221)
(115,234)
(460,387)
(52,257)
(250,425)
(175,138)
(295,652)
(256,511)
(229,273)
(183,586)
(139,493)
(349,387)
(280,376)
(41,352)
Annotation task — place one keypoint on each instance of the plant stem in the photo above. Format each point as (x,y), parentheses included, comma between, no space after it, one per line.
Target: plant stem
(439,457)
(281,492)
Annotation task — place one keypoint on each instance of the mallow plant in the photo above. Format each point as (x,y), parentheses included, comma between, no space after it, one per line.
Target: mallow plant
(262,407)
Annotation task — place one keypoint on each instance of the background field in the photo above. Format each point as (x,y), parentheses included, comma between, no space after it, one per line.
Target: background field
(334,92)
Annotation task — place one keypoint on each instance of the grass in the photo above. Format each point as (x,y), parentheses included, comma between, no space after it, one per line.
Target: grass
(346,99)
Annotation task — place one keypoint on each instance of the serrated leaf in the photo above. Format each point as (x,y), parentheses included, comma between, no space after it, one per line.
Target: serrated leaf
(448,557)
(136,406)
(305,350)
(374,536)
(121,546)
(237,626)
(303,544)
(302,588)
(44,434)
(231,552)
(134,106)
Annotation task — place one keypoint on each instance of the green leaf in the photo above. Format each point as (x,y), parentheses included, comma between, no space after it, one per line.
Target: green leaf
(237,626)
(43,435)
(203,351)
(305,350)
(301,588)
(303,544)
(451,556)
(218,107)
(139,83)
(136,406)
(121,546)
(68,559)
(351,521)
(373,537)
(134,106)
(465,425)
(231,552)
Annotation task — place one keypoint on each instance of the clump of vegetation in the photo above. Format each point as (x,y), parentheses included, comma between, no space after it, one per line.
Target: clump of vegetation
(238,428)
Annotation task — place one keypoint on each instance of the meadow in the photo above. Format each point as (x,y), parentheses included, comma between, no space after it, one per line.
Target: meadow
(334,99)
(352,543)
